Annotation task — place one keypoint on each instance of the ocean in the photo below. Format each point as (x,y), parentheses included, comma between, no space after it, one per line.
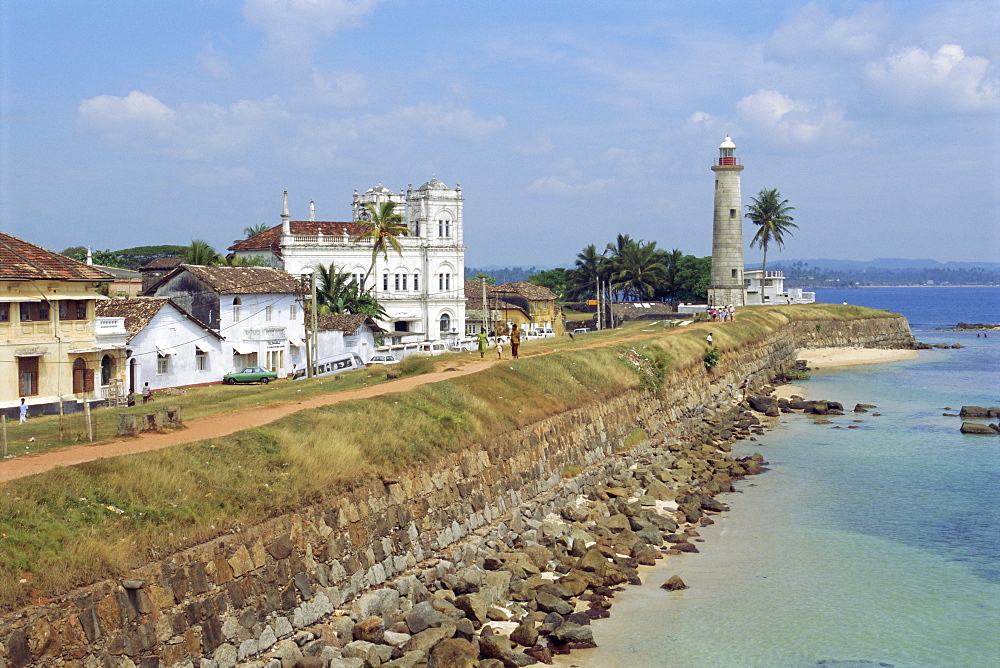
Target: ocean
(877,545)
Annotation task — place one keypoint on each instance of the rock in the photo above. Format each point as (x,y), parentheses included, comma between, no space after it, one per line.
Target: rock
(674,584)
(977,428)
(362,650)
(525,634)
(309,662)
(578,636)
(423,616)
(763,404)
(498,647)
(453,653)
(549,603)
(378,603)
(425,640)
(474,607)
(979,412)
(370,629)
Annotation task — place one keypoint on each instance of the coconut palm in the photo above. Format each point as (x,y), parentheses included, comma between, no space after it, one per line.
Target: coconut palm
(384,225)
(638,270)
(254,230)
(337,292)
(199,252)
(770,213)
(583,277)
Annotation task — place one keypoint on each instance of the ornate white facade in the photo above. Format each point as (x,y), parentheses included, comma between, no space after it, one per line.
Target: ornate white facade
(420,289)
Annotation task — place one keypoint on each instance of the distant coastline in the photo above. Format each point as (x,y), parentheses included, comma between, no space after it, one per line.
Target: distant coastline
(863,287)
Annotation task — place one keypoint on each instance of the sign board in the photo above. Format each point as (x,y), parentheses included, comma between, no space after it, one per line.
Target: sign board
(591,302)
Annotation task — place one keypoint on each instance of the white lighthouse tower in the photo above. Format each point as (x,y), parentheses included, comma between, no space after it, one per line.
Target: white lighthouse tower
(727,231)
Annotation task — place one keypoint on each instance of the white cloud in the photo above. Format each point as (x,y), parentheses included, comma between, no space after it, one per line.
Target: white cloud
(297,24)
(463,123)
(141,122)
(812,32)
(947,79)
(347,89)
(790,121)
(215,63)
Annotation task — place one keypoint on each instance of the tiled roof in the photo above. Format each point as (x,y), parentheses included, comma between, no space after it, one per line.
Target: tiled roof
(474,298)
(526,289)
(138,311)
(119,273)
(345,322)
(162,263)
(23,261)
(269,239)
(237,280)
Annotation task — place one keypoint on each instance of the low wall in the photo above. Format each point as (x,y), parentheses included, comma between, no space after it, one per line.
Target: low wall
(239,594)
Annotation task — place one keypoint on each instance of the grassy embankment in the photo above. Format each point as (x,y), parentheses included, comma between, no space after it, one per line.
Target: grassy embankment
(79,524)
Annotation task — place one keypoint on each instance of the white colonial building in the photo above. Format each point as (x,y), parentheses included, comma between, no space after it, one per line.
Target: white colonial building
(421,289)
(770,289)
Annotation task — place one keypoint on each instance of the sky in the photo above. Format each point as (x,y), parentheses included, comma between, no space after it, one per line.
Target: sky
(129,123)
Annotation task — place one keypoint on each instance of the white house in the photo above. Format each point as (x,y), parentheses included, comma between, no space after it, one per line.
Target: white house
(166,346)
(421,289)
(339,333)
(254,309)
(770,289)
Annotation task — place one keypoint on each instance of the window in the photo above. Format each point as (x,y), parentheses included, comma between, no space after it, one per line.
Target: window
(397,282)
(734,273)
(445,323)
(4,311)
(73,309)
(403,276)
(34,311)
(268,313)
(83,378)
(732,213)
(237,307)
(200,360)
(162,364)
(293,312)
(447,281)
(27,376)
(440,281)
(385,282)
(107,369)
(416,281)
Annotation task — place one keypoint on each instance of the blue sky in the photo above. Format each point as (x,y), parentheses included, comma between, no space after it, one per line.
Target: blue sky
(130,123)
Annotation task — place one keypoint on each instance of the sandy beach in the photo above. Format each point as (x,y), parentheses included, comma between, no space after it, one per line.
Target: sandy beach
(828,358)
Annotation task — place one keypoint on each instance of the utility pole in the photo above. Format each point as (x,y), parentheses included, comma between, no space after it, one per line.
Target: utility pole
(306,322)
(597,320)
(315,323)
(486,308)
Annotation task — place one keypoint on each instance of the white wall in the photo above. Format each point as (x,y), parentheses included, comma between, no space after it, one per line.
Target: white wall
(170,329)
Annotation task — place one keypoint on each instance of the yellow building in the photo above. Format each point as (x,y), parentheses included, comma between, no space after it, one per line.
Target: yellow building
(530,306)
(52,347)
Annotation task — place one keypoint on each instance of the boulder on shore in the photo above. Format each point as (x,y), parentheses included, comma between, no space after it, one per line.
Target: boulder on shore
(979,412)
(978,428)
(674,584)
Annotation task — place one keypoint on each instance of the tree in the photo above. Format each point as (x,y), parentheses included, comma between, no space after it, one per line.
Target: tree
(671,264)
(694,274)
(384,226)
(556,280)
(583,277)
(486,277)
(638,270)
(199,252)
(254,230)
(337,292)
(770,213)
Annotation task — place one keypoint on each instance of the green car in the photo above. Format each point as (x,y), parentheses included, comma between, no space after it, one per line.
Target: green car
(251,374)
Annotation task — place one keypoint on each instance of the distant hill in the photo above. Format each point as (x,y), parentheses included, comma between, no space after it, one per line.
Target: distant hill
(884,271)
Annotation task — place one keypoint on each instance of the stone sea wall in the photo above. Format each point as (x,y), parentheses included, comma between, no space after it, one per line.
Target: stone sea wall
(228,600)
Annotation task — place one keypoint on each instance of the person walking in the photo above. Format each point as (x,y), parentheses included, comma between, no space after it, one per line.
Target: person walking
(23,412)
(484,341)
(499,348)
(147,394)
(709,338)
(515,341)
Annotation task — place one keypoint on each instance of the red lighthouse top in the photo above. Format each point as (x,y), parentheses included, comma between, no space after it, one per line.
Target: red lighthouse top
(727,152)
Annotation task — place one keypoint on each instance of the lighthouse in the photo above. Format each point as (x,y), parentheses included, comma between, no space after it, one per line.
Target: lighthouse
(727,231)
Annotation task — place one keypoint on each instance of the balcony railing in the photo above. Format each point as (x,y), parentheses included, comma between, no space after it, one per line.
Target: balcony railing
(110,326)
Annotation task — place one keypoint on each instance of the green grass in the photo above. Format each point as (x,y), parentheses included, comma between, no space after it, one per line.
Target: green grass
(78,524)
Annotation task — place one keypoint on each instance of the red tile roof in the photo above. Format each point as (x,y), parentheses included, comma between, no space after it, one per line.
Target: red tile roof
(269,239)
(23,261)
(138,312)
(236,280)
(346,322)
(526,289)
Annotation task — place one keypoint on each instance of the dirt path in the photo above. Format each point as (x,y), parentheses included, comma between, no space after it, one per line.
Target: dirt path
(214,426)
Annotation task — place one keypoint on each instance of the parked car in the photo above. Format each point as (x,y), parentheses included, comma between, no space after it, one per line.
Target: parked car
(381,359)
(582,330)
(334,364)
(251,374)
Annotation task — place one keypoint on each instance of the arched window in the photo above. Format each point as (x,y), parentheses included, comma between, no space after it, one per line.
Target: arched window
(237,304)
(445,323)
(107,369)
(83,378)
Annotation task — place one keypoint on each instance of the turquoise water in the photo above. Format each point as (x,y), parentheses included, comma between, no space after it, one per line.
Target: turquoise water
(874,544)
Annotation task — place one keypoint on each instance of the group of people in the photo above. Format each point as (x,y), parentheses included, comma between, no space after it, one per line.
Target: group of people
(722,313)
(483,341)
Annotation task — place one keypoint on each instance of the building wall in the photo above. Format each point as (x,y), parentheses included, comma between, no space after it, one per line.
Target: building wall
(727,239)
(170,329)
(52,342)
(265,323)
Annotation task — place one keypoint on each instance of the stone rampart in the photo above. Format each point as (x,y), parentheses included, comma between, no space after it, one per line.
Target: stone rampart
(224,601)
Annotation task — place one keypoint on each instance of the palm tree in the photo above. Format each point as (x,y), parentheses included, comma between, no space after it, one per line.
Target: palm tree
(254,230)
(638,270)
(384,226)
(770,213)
(337,292)
(583,277)
(199,252)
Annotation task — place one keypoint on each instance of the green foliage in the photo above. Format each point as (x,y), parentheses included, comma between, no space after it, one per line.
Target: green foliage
(384,226)
(770,214)
(796,374)
(556,280)
(486,277)
(127,258)
(254,230)
(712,358)
(337,292)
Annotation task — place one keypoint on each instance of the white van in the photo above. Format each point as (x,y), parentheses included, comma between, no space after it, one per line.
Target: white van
(334,364)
